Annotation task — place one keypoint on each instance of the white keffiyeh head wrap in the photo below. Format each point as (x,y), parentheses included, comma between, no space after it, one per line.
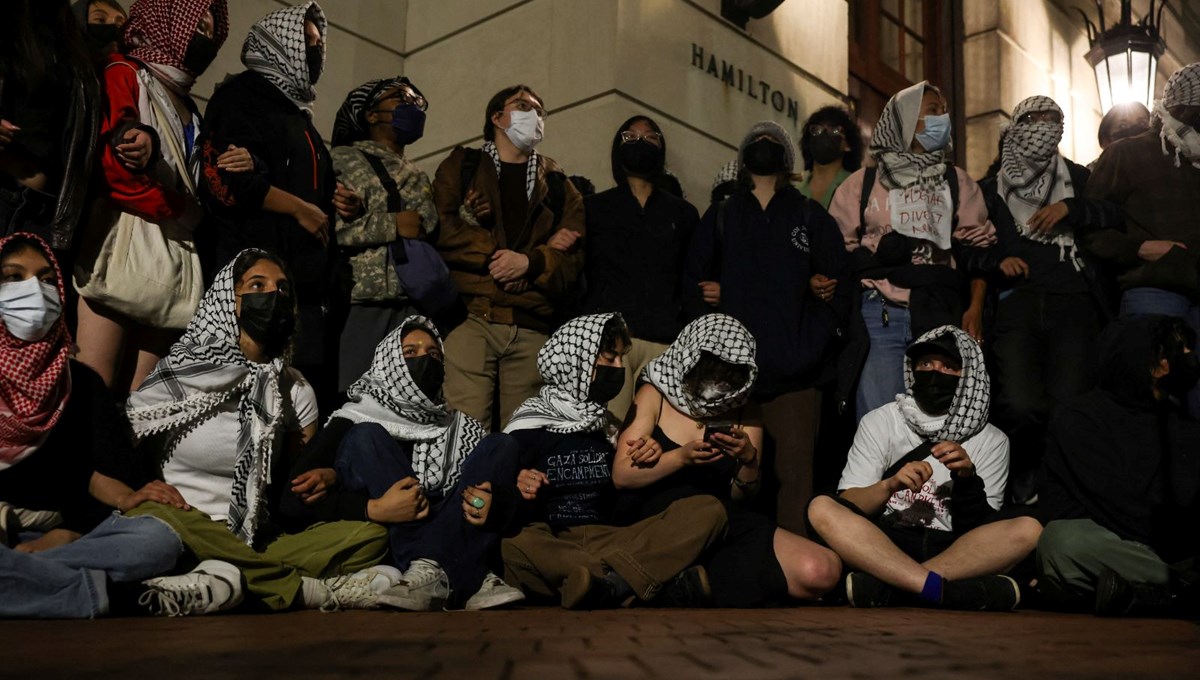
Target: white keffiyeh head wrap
(387,394)
(972,398)
(1033,174)
(891,144)
(1183,89)
(203,371)
(276,50)
(566,362)
(718,334)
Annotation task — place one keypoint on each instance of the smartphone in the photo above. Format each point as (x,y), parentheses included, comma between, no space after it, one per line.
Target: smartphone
(725,427)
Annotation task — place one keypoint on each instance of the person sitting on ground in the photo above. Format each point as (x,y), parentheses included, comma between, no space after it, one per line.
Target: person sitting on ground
(1122,480)
(916,517)
(395,454)
(59,439)
(696,393)
(218,419)
(567,545)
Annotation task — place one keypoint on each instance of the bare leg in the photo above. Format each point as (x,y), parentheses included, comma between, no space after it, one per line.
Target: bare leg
(990,549)
(811,570)
(863,546)
(101,338)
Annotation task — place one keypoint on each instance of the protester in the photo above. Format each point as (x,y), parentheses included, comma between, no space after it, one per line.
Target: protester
(498,207)
(378,119)
(102,21)
(1123,120)
(638,233)
(832,148)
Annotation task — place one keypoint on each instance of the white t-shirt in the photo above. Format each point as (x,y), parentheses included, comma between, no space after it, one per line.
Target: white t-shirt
(884,437)
(201,466)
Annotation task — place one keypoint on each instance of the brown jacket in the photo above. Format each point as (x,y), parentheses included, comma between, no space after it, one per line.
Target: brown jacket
(467,246)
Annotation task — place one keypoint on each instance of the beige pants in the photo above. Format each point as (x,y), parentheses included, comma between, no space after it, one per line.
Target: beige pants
(640,353)
(480,355)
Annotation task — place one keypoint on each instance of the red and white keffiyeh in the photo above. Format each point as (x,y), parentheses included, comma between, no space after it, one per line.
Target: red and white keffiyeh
(158,33)
(35,380)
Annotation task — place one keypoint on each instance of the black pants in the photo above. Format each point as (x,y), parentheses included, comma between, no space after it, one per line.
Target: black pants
(1043,351)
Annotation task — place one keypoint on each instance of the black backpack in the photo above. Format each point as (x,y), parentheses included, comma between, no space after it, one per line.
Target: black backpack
(869,184)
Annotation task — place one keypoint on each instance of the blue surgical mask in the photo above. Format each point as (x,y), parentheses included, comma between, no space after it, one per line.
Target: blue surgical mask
(29,308)
(936,135)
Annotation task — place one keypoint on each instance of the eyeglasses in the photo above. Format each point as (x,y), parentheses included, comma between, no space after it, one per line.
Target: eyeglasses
(406,98)
(1040,117)
(822,130)
(629,137)
(526,105)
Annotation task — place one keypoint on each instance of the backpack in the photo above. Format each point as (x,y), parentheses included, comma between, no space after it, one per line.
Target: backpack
(869,184)
(556,189)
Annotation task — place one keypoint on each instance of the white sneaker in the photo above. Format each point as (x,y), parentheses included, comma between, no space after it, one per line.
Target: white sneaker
(424,587)
(213,586)
(10,525)
(359,590)
(493,593)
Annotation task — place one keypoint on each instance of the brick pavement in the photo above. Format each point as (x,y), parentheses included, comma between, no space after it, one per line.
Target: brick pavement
(548,644)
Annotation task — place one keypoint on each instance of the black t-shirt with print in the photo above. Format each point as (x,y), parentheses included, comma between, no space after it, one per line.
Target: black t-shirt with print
(579,467)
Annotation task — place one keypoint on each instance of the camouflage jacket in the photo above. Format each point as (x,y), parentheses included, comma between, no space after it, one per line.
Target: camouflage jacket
(365,239)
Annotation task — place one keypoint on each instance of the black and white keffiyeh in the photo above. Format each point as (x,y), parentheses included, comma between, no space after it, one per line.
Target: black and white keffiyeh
(1033,174)
(972,399)
(1183,89)
(275,49)
(891,144)
(350,123)
(387,394)
(203,371)
(566,362)
(531,166)
(718,334)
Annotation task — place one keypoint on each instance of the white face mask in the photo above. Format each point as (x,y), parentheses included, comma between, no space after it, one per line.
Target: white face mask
(525,130)
(29,308)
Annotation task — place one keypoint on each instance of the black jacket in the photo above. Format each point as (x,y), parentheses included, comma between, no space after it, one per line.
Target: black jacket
(764,260)
(635,259)
(248,111)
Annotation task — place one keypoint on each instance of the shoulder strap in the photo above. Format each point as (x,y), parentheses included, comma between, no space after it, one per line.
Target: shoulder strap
(864,198)
(470,165)
(395,202)
(952,182)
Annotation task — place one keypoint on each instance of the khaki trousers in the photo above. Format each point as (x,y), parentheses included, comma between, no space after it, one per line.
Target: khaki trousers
(641,352)
(482,355)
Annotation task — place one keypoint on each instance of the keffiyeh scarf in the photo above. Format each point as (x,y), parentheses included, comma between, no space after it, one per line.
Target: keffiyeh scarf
(1034,175)
(531,166)
(1183,89)
(901,169)
(275,49)
(35,379)
(386,394)
(159,32)
(566,362)
(203,371)
(972,399)
(717,334)
(350,123)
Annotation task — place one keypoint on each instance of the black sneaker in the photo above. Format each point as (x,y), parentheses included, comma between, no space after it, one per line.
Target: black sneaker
(689,589)
(1117,597)
(864,590)
(582,590)
(10,525)
(996,593)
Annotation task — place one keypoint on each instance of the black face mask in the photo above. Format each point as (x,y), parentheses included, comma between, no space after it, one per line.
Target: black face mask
(269,319)
(100,37)
(934,391)
(1185,373)
(640,158)
(315,55)
(607,384)
(826,149)
(765,157)
(1131,131)
(428,374)
(200,54)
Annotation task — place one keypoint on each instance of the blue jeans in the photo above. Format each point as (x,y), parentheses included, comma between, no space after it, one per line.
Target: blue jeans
(882,376)
(370,460)
(70,581)
(1142,301)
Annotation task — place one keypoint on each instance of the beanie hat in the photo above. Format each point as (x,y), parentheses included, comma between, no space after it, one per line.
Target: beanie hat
(774,131)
